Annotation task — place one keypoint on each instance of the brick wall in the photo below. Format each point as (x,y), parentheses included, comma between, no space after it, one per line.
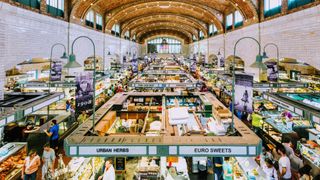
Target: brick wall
(296,34)
(25,34)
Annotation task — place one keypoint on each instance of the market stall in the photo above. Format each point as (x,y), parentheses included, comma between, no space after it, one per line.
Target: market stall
(82,142)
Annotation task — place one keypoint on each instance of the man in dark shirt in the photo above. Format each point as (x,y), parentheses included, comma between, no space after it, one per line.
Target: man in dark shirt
(218,169)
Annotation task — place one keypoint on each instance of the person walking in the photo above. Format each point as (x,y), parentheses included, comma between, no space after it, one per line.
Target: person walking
(284,164)
(48,159)
(31,166)
(109,172)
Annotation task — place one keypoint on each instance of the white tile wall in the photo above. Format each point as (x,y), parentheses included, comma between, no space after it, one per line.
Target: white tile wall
(297,36)
(25,35)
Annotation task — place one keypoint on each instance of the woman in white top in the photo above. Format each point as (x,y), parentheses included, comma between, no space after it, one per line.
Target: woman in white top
(31,166)
(109,172)
(268,168)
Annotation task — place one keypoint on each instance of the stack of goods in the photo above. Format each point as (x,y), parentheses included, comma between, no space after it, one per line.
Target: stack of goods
(216,127)
(178,115)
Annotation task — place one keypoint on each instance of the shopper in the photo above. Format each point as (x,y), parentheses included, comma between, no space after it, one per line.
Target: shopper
(82,117)
(72,115)
(227,169)
(305,173)
(269,169)
(288,146)
(284,164)
(109,172)
(256,121)
(68,105)
(217,168)
(48,159)
(53,134)
(262,107)
(31,166)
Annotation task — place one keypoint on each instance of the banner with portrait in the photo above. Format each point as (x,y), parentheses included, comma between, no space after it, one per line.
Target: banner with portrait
(244,92)
(222,61)
(56,71)
(84,92)
(272,71)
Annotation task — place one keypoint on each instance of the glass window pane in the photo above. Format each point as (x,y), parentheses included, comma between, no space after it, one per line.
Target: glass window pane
(229,20)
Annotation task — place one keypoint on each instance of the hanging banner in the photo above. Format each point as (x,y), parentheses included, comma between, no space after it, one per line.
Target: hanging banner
(244,92)
(56,71)
(84,92)
(135,65)
(222,62)
(272,71)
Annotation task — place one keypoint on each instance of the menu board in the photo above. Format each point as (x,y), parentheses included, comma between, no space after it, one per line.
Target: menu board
(120,163)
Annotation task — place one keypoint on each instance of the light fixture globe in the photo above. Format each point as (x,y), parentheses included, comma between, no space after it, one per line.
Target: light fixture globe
(264,55)
(72,62)
(64,56)
(258,63)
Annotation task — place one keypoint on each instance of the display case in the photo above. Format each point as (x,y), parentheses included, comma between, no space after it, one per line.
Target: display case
(89,63)
(247,168)
(12,157)
(311,152)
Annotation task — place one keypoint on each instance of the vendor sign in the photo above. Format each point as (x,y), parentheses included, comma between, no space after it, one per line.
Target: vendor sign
(272,71)
(56,71)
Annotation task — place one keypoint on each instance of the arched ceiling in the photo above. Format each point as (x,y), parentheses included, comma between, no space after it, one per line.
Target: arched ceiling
(190,15)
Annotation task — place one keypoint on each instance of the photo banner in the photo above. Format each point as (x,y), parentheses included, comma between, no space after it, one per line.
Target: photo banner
(272,71)
(222,62)
(84,92)
(56,71)
(244,92)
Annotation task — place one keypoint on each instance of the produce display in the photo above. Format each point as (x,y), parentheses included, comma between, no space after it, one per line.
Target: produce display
(309,99)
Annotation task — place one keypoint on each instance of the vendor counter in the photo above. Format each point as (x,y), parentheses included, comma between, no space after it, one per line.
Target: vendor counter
(165,143)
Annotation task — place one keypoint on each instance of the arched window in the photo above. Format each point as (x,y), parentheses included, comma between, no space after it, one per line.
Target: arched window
(238,19)
(55,7)
(90,18)
(116,30)
(99,22)
(201,35)
(164,45)
(134,38)
(272,7)
(127,35)
(229,21)
(212,30)
(194,38)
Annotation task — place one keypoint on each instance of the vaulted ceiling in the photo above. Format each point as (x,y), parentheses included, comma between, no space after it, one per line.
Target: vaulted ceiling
(181,18)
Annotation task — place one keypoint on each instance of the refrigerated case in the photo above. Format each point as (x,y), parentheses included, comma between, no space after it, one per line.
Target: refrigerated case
(12,157)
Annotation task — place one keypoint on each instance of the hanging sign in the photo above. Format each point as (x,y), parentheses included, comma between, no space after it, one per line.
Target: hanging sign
(56,71)
(244,92)
(84,92)
(272,71)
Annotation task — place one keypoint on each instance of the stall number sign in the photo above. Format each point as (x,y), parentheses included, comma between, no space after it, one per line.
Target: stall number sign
(212,150)
(113,150)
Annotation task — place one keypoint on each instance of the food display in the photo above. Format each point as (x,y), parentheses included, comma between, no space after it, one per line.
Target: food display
(247,168)
(12,160)
(311,151)
(312,100)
